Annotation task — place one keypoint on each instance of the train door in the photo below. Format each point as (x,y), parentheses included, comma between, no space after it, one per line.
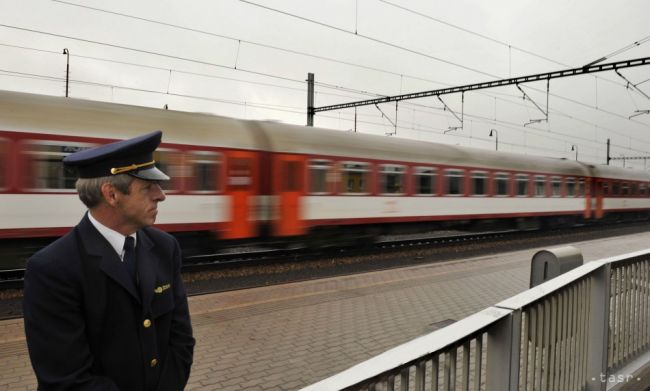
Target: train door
(588,187)
(601,188)
(289,187)
(241,187)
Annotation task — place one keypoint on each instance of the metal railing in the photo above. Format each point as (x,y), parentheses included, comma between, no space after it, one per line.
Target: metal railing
(570,333)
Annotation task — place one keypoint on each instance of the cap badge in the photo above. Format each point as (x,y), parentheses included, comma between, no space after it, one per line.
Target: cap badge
(119,170)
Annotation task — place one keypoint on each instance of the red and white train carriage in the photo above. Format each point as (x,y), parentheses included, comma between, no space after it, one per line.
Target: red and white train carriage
(241,179)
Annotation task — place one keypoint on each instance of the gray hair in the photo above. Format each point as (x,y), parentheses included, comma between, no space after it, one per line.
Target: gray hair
(90,189)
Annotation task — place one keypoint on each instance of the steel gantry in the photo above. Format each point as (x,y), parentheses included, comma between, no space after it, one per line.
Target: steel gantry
(589,68)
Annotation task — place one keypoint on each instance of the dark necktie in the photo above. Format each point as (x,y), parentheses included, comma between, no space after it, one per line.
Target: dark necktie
(129,256)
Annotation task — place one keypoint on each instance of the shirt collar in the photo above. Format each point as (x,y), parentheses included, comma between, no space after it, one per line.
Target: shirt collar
(113,237)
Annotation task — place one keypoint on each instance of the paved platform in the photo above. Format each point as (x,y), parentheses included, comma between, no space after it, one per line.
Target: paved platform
(285,337)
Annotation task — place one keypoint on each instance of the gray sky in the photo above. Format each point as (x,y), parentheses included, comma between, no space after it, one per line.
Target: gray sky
(249,59)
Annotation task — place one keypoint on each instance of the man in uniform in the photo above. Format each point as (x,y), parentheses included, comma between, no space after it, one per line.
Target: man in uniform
(104,306)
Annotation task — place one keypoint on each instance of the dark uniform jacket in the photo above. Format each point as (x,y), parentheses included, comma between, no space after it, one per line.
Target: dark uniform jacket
(89,326)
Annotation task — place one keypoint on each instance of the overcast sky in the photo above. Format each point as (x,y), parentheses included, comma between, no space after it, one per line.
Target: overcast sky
(249,59)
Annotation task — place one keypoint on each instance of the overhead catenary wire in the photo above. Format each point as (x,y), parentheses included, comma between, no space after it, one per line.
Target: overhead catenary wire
(249,42)
(454,26)
(299,110)
(296,109)
(182,95)
(517,127)
(409,50)
(433,108)
(367,37)
(322,57)
(621,50)
(150,52)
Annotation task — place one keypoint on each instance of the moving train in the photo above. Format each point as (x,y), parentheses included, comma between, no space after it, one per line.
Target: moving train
(235,180)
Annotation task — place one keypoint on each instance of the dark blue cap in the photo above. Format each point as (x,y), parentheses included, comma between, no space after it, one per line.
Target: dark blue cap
(133,156)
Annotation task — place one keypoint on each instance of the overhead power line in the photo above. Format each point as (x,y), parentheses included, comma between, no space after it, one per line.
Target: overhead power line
(235,39)
(293,51)
(486,37)
(150,52)
(297,110)
(367,37)
(426,55)
(277,48)
(621,50)
(239,40)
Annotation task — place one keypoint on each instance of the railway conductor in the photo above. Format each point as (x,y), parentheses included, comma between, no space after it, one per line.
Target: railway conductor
(104,306)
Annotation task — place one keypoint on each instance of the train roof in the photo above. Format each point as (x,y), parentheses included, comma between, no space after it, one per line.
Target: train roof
(610,172)
(294,139)
(70,116)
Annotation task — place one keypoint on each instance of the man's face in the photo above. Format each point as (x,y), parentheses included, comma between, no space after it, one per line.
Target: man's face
(139,208)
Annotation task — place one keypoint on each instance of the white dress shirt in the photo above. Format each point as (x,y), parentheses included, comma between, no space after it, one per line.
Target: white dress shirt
(115,238)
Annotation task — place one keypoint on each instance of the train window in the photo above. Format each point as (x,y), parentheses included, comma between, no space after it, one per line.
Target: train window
(168,161)
(425,180)
(454,182)
(47,171)
(354,176)
(616,188)
(540,185)
(479,183)
(580,188)
(319,171)
(392,179)
(501,184)
(642,189)
(291,176)
(625,189)
(571,187)
(605,188)
(205,171)
(556,186)
(522,185)
(634,189)
(4,160)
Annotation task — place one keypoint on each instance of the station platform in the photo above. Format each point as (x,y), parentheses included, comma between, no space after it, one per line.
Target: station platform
(288,336)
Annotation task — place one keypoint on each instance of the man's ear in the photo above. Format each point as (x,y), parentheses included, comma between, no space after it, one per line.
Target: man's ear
(109,192)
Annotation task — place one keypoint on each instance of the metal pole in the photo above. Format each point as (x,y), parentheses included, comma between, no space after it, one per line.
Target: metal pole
(496,137)
(608,158)
(310,99)
(67,70)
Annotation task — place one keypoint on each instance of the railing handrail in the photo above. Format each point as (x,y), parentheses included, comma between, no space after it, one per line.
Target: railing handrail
(464,329)
(412,350)
(538,292)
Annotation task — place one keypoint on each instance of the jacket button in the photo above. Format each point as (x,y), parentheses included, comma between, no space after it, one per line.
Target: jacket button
(154,362)
(146,323)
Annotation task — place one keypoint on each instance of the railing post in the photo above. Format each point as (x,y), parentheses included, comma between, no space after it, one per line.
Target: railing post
(503,350)
(598,329)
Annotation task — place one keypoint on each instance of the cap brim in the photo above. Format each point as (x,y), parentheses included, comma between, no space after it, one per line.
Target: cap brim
(150,174)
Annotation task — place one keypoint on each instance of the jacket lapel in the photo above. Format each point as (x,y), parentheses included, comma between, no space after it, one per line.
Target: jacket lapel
(147,261)
(109,262)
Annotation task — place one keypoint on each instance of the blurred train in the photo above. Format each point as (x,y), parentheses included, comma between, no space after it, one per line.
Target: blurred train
(239,180)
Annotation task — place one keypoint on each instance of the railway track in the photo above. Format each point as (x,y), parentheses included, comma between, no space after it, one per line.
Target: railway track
(13,279)
(257,257)
(265,257)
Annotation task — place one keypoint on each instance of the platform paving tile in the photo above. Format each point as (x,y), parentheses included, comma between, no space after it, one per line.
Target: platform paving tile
(285,337)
